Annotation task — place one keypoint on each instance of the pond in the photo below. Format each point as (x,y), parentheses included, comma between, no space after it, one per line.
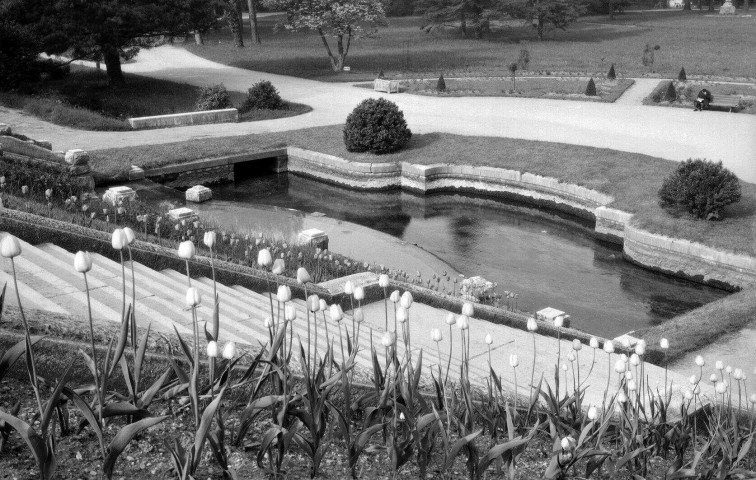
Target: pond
(549,260)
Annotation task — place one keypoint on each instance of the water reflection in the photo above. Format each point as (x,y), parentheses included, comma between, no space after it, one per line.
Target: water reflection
(547,258)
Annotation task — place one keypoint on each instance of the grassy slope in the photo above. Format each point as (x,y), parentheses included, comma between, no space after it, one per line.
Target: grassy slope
(704,45)
(632,179)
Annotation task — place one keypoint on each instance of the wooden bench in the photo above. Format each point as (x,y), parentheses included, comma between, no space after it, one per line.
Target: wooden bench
(388,86)
(726,101)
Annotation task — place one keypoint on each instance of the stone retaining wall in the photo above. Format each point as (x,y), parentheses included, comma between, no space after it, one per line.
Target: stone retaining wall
(226,115)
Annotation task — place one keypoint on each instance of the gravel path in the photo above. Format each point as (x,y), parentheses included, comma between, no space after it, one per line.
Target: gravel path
(675,134)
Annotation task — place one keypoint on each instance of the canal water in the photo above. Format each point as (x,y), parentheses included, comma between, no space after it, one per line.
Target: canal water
(547,259)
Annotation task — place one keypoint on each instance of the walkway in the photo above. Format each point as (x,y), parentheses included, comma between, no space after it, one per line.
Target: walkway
(671,133)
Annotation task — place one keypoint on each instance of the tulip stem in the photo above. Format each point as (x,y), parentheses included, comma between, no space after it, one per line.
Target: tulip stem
(33,372)
(123,288)
(133,307)
(448,364)
(94,351)
(188,278)
(216,326)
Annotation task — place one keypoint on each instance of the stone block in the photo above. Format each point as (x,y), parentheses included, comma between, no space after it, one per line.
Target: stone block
(115,195)
(198,194)
(77,157)
(182,213)
(136,173)
(314,237)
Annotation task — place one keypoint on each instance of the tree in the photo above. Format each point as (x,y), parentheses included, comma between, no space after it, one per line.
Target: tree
(232,14)
(253,30)
(700,187)
(513,70)
(104,29)
(18,52)
(473,17)
(343,20)
(543,14)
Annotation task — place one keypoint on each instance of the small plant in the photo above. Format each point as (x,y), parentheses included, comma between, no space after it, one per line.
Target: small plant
(612,75)
(524,60)
(682,76)
(263,96)
(590,89)
(381,74)
(648,56)
(376,126)
(441,84)
(213,97)
(671,94)
(513,70)
(700,187)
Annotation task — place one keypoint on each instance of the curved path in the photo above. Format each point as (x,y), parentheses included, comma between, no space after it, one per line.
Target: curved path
(672,133)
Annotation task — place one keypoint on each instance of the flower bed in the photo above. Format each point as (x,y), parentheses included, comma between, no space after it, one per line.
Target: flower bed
(687,91)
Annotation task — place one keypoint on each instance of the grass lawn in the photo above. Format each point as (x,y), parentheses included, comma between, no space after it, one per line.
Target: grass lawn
(632,179)
(703,44)
(542,87)
(687,92)
(84,100)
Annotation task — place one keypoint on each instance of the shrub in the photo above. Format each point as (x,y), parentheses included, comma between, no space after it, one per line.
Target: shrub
(524,59)
(441,84)
(213,97)
(263,96)
(671,94)
(381,74)
(682,76)
(376,126)
(657,95)
(590,89)
(612,75)
(700,187)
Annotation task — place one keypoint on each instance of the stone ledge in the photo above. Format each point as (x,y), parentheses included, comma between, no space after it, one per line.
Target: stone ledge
(227,115)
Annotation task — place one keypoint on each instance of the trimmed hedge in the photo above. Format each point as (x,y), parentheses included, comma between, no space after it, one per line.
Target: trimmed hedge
(376,126)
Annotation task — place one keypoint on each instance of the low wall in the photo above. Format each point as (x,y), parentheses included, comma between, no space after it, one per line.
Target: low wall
(227,115)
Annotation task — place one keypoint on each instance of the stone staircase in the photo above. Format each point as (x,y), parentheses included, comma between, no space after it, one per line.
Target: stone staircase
(48,281)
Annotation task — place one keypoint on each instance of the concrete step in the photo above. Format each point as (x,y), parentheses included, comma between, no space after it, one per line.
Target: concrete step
(30,298)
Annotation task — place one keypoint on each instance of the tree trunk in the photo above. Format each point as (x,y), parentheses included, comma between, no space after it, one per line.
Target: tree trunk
(540,29)
(233,17)
(254,33)
(113,65)
(198,38)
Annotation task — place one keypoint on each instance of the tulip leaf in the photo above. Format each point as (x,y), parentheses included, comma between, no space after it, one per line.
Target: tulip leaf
(87,413)
(12,355)
(458,446)
(2,299)
(123,438)
(184,347)
(139,357)
(204,427)
(359,444)
(123,336)
(36,444)
(149,394)
(53,401)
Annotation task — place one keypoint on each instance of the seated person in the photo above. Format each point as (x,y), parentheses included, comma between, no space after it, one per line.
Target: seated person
(703,99)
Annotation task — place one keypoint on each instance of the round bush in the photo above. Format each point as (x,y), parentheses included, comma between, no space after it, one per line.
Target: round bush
(700,187)
(213,97)
(376,126)
(263,96)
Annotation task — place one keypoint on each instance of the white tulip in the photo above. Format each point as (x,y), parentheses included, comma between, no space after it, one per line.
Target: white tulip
(592,413)
(719,365)
(279,267)
(752,398)
(229,350)
(635,359)
(348,287)
(359,293)
(738,374)
(532,324)
(451,319)
(488,339)
(467,309)
(693,380)
(402,315)
(290,313)
(303,276)
(323,305)
(594,343)
(577,345)
(720,387)
(388,339)
(728,370)
(463,322)
(514,362)
(212,349)
(664,343)
(609,346)
(130,237)
(713,378)
(559,321)
(209,239)
(118,239)
(700,361)
(619,366)
(687,394)
(383,280)
(358,315)
(406,300)
(264,258)
(336,313)
(395,296)
(185,250)
(436,335)
(621,397)
(193,297)
(631,385)
(640,347)
(82,262)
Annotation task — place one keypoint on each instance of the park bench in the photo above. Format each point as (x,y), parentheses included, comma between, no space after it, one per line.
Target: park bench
(726,101)
(388,86)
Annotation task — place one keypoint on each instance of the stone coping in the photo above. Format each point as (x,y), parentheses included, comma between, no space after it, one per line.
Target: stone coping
(225,115)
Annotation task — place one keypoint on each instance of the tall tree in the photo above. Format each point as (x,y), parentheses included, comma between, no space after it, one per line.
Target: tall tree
(472,17)
(545,14)
(232,14)
(253,30)
(342,20)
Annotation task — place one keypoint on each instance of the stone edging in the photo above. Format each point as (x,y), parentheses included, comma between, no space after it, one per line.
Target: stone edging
(677,257)
(225,115)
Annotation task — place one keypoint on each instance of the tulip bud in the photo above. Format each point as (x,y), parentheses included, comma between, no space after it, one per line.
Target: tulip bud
(402,314)
(406,300)
(463,322)
(82,262)
(687,394)
(24,189)
(290,313)
(388,339)
(664,343)
(713,378)
(609,346)
(383,280)
(118,239)
(720,387)
(264,258)
(631,385)
(571,356)
(625,341)
(130,237)
(436,335)
(559,321)
(752,398)
(186,250)
(313,303)
(635,359)
(696,390)
(532,324)
(268,322)
(489,339)
(719,365)
(738,374)
(451,319)
(467,309)
(229,351)
(209,239)
(359,293)
(693,380)
(624,358)
(212,349)
(592,413)
(628,375)
(193,297)
(700,361)
(640,347)
(728,370)
(303,276)
(336,313)
(514,362)
(621,397)
(323,305)
(48,193)
(567,444)
(278,267)
(395,296)
(284,293)
(348,287)
(619,366)
(577,345)
(593,342)
(358,315)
